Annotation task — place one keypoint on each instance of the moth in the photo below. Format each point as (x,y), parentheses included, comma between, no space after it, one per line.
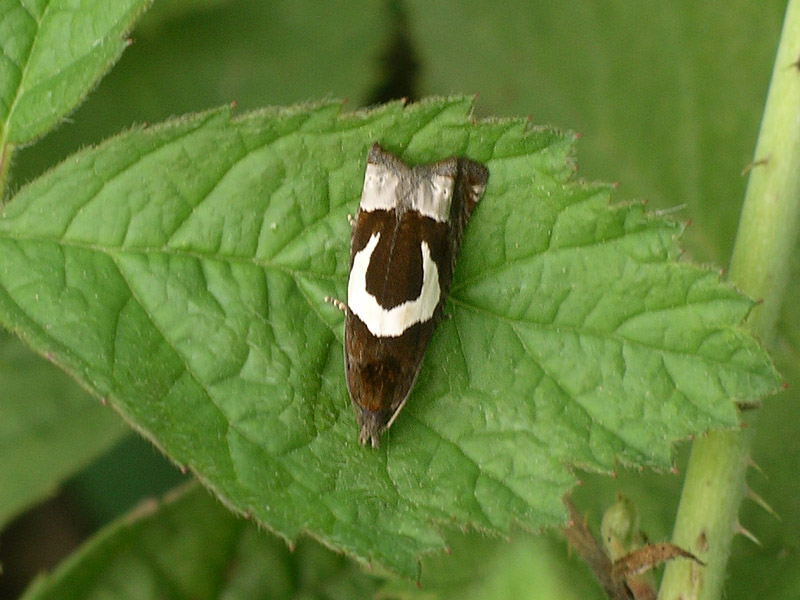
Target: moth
(405,238)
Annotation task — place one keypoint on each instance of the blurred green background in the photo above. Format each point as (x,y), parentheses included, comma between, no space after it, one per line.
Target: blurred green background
(667,97)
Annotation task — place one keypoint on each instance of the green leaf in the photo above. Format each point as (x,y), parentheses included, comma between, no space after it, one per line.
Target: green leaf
(653,122)
(49,428)
(189,546)
(179,271)
(527,566)
(189,55)
(53,53)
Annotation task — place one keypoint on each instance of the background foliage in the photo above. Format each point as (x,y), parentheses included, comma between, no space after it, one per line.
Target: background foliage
(667,98)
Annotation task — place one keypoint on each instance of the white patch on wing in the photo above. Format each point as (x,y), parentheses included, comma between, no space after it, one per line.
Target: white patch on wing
(380,188)
(393,322)
(434,197)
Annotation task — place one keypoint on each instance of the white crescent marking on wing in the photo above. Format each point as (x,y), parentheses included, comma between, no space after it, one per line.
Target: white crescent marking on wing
(391,323)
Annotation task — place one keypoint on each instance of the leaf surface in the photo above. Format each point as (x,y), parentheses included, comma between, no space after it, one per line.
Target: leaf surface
(43,414)
(179,272)
(52,53)
(189,546)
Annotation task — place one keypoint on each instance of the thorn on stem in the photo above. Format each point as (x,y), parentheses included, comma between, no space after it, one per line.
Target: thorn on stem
(748,534)
(751,495)
(755,163)
(754,464)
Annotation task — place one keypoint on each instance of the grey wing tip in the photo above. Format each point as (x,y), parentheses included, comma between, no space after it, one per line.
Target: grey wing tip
(475,172)
(378,156)
(372,436)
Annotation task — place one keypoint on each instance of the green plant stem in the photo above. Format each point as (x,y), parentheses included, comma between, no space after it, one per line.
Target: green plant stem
(767,237)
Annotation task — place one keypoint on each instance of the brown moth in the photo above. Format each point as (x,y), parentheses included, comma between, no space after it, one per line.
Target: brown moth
(405,238)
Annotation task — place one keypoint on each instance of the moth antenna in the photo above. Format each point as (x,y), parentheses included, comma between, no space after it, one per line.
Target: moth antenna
(337,303)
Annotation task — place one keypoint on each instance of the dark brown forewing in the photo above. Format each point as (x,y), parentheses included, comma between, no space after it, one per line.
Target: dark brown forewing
(366,224)
(470,183)
(395,270)
(381,371)
(473,177)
